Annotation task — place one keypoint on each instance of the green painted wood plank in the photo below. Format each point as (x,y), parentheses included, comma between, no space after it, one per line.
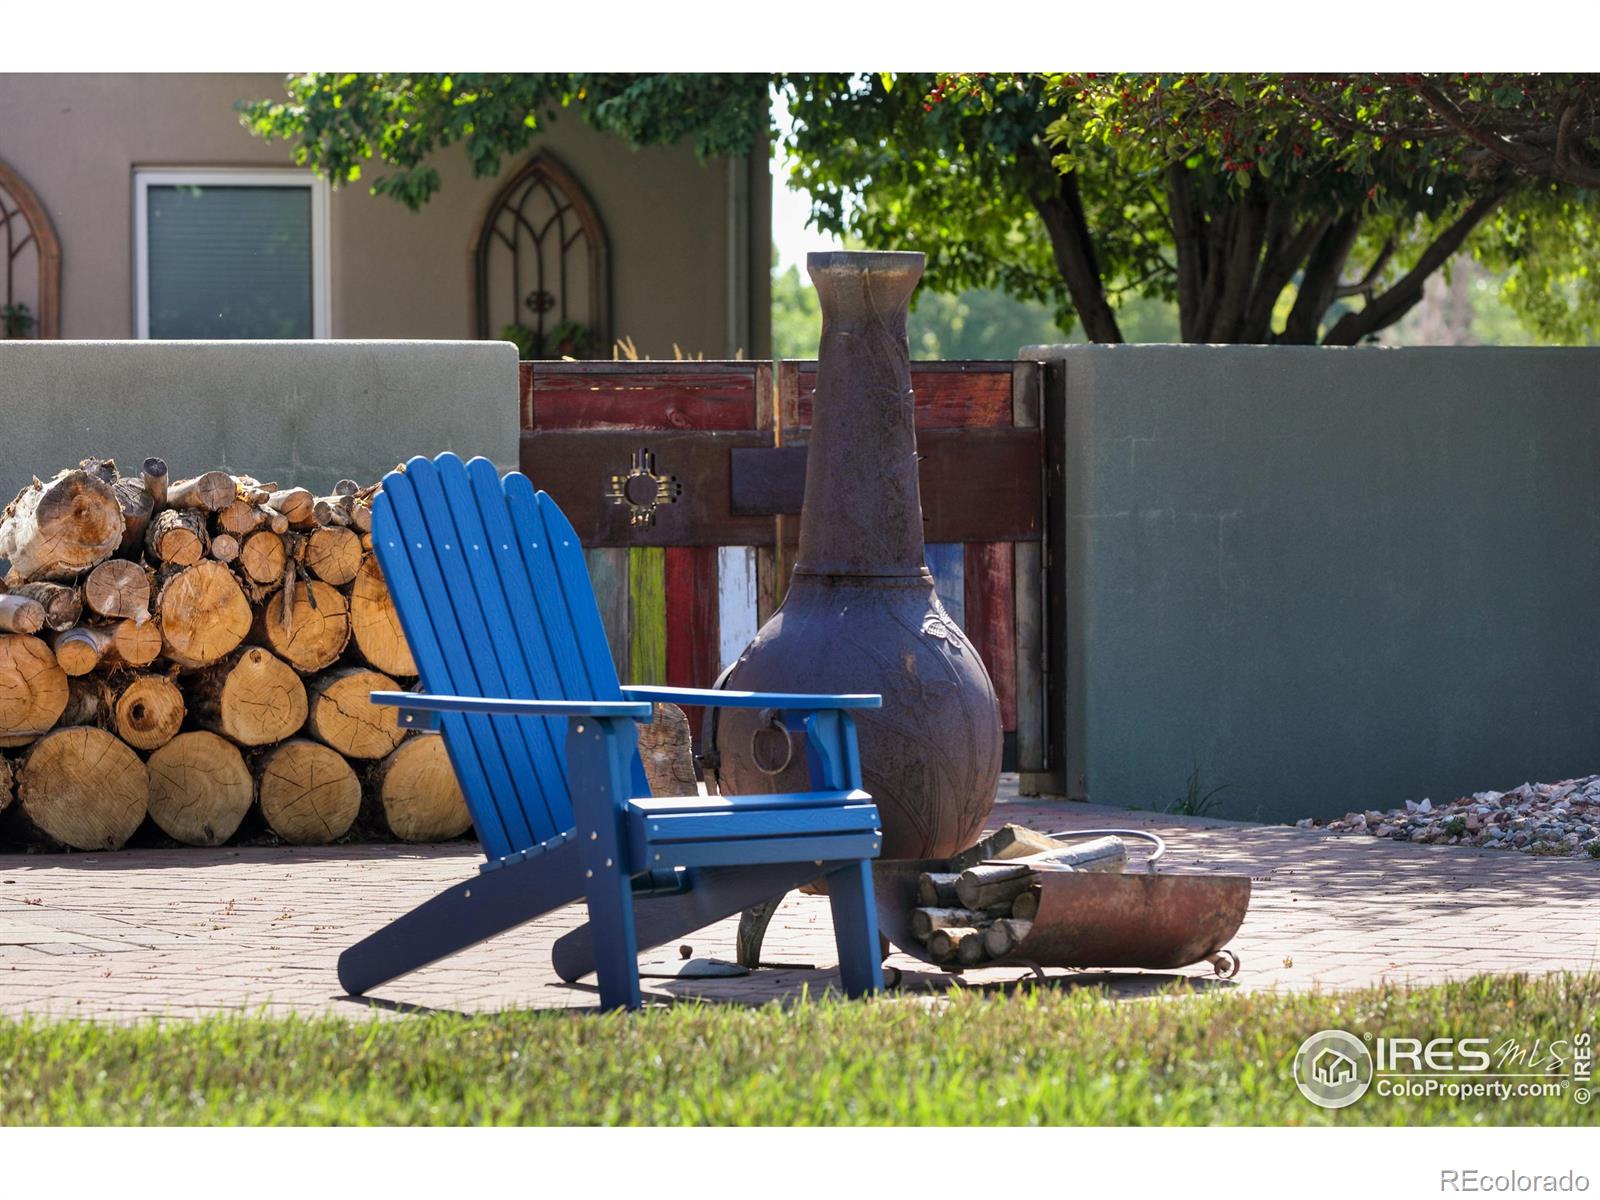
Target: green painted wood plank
(647,614)
(608,572)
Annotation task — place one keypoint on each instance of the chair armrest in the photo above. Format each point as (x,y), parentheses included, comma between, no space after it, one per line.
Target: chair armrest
(418,702)
(716,698)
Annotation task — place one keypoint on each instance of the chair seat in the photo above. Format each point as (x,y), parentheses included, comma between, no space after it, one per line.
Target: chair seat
(703,831)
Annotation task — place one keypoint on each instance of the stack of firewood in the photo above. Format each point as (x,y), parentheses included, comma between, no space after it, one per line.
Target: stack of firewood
(187,650)
(982,906)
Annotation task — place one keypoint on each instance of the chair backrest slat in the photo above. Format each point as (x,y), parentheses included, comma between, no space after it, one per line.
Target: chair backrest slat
(403,545)
(494,597)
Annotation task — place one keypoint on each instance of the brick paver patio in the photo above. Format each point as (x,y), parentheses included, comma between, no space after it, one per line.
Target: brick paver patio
(184,933)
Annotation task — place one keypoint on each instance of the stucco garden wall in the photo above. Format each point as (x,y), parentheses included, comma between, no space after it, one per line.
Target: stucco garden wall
(1334,579)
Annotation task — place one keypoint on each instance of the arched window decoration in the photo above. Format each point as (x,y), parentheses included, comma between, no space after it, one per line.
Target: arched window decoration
(30,263)
(541,269)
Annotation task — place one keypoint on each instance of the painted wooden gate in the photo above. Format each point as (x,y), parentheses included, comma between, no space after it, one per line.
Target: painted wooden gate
(684,481)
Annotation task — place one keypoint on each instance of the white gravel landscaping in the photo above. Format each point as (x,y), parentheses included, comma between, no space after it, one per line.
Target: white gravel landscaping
(1536,818)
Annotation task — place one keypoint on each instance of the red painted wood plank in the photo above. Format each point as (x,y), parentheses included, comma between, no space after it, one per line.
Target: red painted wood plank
(625,397)
(972,398)
(991,620)
(693,645)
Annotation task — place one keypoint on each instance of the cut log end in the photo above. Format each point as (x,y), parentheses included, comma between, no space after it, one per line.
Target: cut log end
(118,589)
(315,631)
(414,795)
(375,623)
(200,789)
(33,689)
(309,796)
(148,712)
(204,615)
(58,530)
(344,718)
(83,788)
(254,698)
(333,554)
(19,614)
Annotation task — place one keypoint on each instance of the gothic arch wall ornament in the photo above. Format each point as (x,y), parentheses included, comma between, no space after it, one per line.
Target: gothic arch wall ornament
(542,262)
(30,255)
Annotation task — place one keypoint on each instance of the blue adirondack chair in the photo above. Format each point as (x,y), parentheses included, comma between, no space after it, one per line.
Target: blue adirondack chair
(496,603)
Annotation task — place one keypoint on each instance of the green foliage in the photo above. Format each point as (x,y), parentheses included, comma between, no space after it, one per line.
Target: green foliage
(1267,207)
(796,315)
(16,320)
(1055,1055)
(523,338)
(1194,802)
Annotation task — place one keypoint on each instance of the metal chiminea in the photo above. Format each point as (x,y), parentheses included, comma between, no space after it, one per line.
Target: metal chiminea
(861,613)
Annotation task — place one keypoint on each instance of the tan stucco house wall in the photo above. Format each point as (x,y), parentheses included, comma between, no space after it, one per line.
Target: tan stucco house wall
(689,242)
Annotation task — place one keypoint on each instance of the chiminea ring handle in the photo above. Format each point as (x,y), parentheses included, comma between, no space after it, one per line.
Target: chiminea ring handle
(769,723)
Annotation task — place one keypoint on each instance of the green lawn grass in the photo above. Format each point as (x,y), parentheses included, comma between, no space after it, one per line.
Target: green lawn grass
(1057,1055)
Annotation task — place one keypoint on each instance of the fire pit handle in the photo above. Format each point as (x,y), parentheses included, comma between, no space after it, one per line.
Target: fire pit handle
(768,723)
(1149,863)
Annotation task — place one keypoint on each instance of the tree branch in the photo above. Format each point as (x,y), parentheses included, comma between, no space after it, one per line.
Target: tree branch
(1243,255)
(1383,311)
(1187,236)
(1276,272)
(1319,279)
(1364,286)
(1072,246)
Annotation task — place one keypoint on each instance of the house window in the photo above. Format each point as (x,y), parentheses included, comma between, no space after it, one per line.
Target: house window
(230,254)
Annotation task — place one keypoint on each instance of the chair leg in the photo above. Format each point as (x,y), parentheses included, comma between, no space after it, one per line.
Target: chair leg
(855,928)
(489,903)
(599,761)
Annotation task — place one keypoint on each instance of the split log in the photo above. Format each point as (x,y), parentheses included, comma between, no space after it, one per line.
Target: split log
(333,554)
(666,747)
(200,788)
(126,643)
(945,945)
(937,889)
(139,499)
(925,920)
(251,490)
(261,557)
(413,794)
(62,603)
(309,796)
(177,537)
(253,698)
(1004,936)
(148,711)
(203,615)
(212,492)
(224,547)
(1007,842)
(19,614)
(375,623)
(984,886)
(296,504)
(82,787)
(344,718)
(58,530)
(118,589)
(33,689)
(333,510)
(315,631)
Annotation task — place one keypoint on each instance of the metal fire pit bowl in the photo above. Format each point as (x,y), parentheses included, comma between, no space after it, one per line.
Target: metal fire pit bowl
(1095,920)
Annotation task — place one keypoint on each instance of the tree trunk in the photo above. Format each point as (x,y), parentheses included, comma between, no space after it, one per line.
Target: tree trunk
(309,796)
(212,492)
(261,558)
(19,614)
(63,603)
(58,530)
(203,616)
(344,718)
(253,698)
(118,589)
(200,789)
(333,554)
(177,537)
(33,689)
(1060,209)
(83,788)
(413,794)
(315,632)
(148,711)
(375,623)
